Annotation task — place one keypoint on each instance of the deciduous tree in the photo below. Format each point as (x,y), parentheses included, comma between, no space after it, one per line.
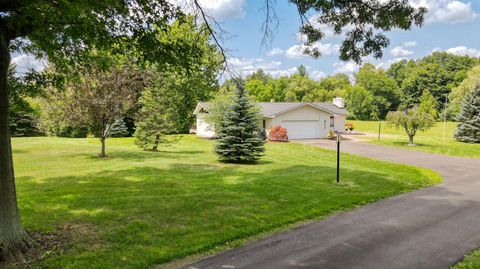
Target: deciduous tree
(386,95)
(428,104)
(458,94)
(411,121)
(100,97)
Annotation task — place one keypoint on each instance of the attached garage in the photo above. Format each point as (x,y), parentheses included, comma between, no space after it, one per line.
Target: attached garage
(302,129)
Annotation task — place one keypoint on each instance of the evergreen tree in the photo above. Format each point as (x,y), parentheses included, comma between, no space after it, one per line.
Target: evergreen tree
(239,138)
(156,117)
(468,129)
(118,129)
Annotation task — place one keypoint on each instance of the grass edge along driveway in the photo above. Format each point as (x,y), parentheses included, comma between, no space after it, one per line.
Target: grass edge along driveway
(136,209)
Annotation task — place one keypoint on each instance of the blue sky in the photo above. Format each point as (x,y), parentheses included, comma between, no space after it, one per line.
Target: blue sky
(451,25)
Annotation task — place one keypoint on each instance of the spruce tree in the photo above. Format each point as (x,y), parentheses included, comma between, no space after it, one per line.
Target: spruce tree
(156,117)
(468,130)
(240,136)
(118,129)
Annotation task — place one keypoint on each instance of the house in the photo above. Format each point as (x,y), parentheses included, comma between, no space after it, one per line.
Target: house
(303,120)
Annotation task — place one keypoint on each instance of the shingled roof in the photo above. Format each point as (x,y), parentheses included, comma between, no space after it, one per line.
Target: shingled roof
(271,109)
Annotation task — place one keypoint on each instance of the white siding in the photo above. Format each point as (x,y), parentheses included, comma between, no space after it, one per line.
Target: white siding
(300,116)
(204,129)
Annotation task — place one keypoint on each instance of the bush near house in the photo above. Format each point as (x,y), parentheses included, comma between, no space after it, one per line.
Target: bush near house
(278,133)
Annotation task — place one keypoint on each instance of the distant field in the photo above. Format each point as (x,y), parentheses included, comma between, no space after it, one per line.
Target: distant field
(135,208)
(430,141)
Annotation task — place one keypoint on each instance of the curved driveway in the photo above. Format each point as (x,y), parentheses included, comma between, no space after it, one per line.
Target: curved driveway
(429,228)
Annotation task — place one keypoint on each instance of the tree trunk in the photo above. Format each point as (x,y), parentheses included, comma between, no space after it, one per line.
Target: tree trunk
(410,140)
(102,154)
(155,144)
(14,241)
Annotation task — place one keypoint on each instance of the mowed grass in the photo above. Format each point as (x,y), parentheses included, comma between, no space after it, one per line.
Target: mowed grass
(136,209)
(429,141)
(471,261)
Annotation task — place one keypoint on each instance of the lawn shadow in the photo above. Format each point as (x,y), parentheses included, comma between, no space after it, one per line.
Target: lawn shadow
(136,155)
(164,207)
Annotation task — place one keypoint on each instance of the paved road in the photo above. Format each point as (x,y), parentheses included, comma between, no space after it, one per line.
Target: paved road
(429,228)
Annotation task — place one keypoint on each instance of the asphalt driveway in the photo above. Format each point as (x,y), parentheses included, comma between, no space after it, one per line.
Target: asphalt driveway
(429,228)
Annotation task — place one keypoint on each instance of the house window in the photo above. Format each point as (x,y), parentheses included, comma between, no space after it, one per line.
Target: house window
(264,124)
(324,124)
(332,121)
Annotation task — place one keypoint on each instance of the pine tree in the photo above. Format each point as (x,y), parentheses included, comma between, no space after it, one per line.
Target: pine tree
(155,118)
(468,130)
(118,129)
(239,138)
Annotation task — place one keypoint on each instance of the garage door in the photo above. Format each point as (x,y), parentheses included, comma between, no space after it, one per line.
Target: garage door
(302,129)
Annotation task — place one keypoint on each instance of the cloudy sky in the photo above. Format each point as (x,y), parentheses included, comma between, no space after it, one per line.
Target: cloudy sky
(451,25)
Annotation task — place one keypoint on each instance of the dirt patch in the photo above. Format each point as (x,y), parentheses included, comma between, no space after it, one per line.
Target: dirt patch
(51,244)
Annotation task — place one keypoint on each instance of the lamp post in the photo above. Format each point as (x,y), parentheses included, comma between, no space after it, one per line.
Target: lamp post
(338,156)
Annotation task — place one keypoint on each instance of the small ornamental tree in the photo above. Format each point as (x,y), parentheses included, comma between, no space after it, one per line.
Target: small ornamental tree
(239,137)
(99,98)
(468,129)
(411,121)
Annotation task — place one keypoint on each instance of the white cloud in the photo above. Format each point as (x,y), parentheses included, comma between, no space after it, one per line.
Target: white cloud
(27,62)
(400,52)
(283,72)
(247,66)
(409,44)
(448,11)
(296,51)
(219,9)
(346,67)
(388,63)
(317,74)
(464,51)
(275,51)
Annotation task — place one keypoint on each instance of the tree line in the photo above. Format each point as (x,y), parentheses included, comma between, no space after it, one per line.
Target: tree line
(372,91)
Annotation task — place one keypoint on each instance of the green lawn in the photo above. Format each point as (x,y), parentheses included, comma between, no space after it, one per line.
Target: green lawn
(471,261)
(136,209)
(430,141)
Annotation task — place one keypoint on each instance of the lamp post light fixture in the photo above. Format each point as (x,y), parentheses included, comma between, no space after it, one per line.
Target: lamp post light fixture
(339,139)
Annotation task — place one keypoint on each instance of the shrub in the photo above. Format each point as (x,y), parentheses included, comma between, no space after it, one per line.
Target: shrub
(278,133)
(349,126)
(332,135)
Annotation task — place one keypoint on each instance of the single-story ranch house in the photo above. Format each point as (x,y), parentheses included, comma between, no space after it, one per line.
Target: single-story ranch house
(303,120)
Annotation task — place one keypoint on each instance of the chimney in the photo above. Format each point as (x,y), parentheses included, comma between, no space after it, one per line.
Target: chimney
(339,102)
